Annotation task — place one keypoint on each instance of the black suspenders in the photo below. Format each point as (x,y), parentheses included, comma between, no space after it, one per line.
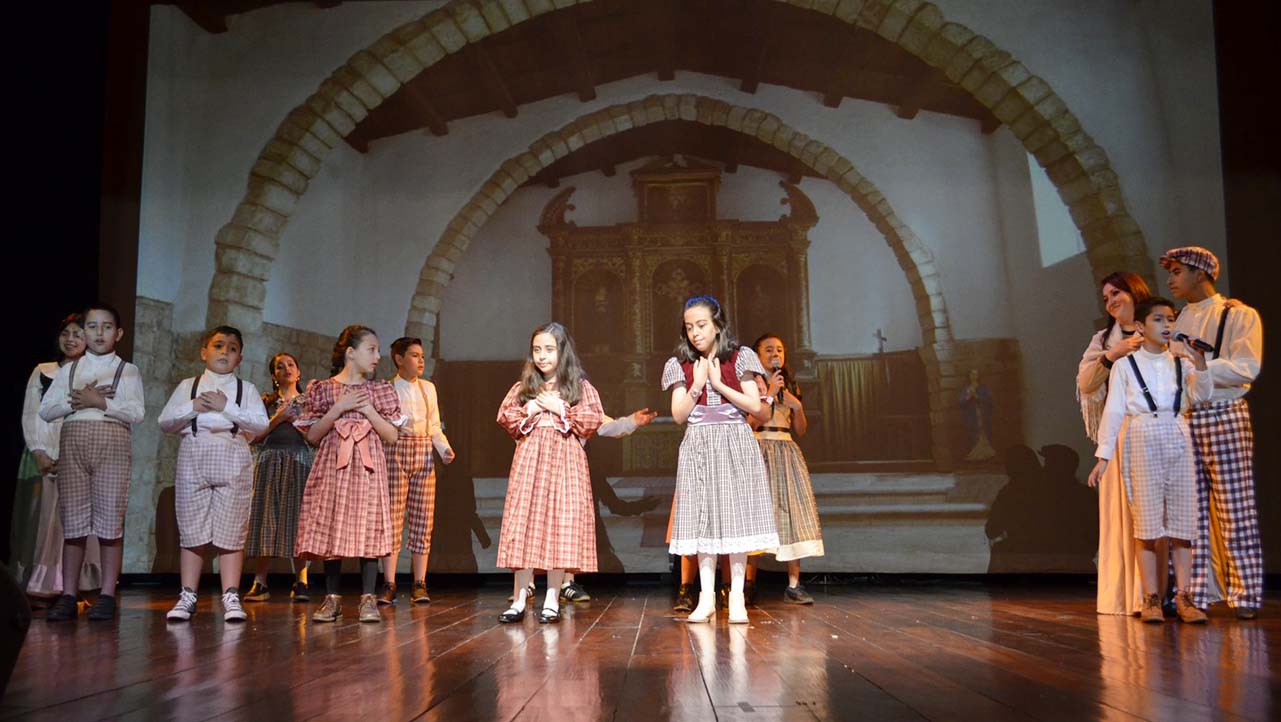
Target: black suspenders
(115,382)
(1178,381)
(195,384)
(1218,338)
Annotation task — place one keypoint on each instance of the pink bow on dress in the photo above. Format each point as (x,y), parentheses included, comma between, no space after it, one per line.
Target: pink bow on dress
(355,439)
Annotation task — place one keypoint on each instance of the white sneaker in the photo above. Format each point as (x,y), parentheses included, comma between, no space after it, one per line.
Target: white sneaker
(185,608)
(231,609)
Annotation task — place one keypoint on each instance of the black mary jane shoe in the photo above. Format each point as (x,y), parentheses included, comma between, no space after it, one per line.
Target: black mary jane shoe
(548,616)
(511,616)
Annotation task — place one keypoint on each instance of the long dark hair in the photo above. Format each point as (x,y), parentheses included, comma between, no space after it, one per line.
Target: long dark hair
(272,398)
(726,343)
(1132,284)
(789,381)
(76,318)
(349,338)
(569,370)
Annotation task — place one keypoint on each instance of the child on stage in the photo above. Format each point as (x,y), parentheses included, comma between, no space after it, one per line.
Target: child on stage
(282,462)
(410,472)
(547,517)
(345,505)
(216,414)
(99,397)
(795,511)
(722,503)
(1155,388)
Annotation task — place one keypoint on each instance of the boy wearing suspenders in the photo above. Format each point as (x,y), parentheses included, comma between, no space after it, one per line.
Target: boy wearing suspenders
(410,473)
(1149,393)
(1228,563)
(100,397)
(216,414)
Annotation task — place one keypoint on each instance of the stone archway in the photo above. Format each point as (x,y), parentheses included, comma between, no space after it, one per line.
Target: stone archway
(913,256)
(248,244)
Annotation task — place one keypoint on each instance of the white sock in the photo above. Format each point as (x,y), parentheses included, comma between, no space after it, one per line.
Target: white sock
(552,599)
(707,572)
(737,572)
(523,578)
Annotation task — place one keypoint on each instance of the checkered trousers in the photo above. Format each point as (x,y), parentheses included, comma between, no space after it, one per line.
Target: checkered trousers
(1160,477)
(213,490)
(94,466)
(411,482)
(1227,540)
(723,503)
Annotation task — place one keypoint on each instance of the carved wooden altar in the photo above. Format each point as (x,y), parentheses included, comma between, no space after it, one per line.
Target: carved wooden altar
(620,289)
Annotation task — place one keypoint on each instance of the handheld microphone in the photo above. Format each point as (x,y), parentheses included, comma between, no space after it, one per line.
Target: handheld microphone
(1195,343)
(778,366)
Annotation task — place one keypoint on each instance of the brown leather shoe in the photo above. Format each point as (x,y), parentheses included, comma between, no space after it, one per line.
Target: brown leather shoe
(388,595)
(1151,612)
(330,610)
(418,593)
(369,609)
(1188,612)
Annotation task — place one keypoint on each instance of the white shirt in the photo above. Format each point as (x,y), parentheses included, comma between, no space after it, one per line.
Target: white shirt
(39,435)
(422,411)
(250,415)
(1125,396)
(1241,355)
(93,370)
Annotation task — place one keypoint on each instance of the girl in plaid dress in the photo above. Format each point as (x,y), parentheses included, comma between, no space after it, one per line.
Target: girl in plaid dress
(800,534)
(282,461)
(1155,389)
(722,503)
(547,518)
(345,504)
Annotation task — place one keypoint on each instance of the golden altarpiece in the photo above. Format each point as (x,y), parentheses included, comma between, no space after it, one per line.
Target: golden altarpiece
(621,289)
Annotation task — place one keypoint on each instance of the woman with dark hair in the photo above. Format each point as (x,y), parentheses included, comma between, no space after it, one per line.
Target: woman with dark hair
(282,461)
(548,520)
(1118,581)
(36,533)
(345,504)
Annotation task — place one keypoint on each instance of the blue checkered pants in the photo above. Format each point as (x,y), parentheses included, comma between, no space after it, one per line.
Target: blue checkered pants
(1227,542)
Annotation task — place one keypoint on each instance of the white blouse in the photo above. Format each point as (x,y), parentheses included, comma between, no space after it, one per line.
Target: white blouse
(1125,395)
(39,435)
(125,407)
(249,415)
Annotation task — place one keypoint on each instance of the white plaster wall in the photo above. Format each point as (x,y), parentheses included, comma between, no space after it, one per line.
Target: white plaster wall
(1141,78)
(213,101)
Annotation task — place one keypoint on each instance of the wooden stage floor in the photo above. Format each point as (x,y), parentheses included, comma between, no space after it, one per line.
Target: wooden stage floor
(903,651)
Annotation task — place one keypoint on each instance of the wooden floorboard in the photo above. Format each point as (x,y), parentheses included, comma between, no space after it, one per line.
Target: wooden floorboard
(904,652)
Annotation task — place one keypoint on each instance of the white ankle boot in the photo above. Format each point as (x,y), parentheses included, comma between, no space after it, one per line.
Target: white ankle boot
(706,608)
(737,608)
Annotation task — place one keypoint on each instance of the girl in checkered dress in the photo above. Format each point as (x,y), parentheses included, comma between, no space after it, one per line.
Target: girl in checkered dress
(345,506)
(547,518)
(216,414)
(282,461)
(800,534)
(722,503)
(1155,389)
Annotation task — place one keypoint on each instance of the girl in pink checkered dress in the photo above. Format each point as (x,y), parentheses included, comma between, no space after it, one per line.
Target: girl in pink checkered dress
(547,518)
(1150,393)
(345,505)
